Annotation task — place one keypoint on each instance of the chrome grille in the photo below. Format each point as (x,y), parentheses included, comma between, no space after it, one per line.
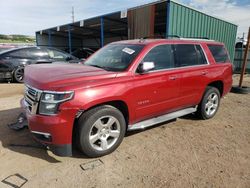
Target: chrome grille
(32,97)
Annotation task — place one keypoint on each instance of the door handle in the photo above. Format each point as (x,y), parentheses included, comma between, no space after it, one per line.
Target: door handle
(172,77)
(204,72)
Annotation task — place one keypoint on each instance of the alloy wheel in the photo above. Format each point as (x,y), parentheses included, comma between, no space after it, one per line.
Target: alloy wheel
(104,133)
(212,104)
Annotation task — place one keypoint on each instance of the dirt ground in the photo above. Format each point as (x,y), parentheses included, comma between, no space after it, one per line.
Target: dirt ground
(185,153)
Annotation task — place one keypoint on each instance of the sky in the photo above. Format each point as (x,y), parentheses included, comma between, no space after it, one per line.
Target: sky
(27,16)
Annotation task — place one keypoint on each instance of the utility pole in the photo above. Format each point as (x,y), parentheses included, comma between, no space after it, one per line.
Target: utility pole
(73,15)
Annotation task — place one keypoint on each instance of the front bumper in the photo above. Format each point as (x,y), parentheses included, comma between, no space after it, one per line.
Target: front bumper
(52,131)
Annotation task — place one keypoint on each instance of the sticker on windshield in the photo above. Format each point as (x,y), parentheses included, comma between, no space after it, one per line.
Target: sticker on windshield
(128,51)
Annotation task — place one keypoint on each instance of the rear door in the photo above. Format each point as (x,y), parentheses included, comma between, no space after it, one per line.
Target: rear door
(157,91)
(193,66)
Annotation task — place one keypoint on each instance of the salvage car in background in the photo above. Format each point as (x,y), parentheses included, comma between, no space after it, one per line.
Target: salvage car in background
(83,53)
(12,62)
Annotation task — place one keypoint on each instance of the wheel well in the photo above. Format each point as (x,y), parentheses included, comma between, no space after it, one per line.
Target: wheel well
(120,105)
(219,85)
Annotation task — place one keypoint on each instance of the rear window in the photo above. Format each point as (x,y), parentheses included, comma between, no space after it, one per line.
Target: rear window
(219,52)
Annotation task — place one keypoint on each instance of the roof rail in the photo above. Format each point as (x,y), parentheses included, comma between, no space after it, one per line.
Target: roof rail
(196,38)
(177,37)
(173,36)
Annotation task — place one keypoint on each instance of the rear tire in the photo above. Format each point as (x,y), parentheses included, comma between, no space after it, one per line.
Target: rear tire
(18,74)
(100,131)
(209,104)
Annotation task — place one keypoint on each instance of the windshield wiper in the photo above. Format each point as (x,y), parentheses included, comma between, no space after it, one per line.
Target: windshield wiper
(98,66)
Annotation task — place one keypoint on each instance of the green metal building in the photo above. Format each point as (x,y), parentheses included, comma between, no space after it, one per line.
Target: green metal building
(188,22)
(157,19)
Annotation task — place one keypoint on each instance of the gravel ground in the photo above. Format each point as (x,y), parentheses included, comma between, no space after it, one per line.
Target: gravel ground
(185,153)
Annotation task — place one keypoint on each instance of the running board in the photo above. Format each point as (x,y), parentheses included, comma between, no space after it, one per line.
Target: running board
(150,122)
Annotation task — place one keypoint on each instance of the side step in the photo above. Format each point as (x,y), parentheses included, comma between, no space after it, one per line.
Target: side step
(160,119)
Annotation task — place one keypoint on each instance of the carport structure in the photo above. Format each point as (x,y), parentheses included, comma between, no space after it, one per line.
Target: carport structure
(98,31)
(159,19)
(85,33)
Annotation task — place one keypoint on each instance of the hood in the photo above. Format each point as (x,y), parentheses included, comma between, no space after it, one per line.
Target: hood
(56,76)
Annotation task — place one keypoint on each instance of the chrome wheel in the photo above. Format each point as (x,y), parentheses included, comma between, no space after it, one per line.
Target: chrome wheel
(104,133)
(212,104)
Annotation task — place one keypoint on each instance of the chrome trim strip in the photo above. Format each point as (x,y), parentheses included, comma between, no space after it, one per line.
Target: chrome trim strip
(156,120)
(41,133)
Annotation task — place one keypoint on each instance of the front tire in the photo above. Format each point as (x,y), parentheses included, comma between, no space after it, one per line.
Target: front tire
(18,74)
(210,103)
(100,131)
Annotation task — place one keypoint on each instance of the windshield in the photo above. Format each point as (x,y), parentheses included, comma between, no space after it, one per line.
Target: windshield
(114,57)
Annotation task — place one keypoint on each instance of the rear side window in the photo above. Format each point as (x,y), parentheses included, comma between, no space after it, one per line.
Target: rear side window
(189,55)
(17,54)
(162,56)
(219,52)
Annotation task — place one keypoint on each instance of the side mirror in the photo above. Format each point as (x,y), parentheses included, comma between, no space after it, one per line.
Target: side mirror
(145,67)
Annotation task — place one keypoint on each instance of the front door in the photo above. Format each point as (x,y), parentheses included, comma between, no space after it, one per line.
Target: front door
(156,92)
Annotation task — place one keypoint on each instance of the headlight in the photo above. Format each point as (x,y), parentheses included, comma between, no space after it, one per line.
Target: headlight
(50,102)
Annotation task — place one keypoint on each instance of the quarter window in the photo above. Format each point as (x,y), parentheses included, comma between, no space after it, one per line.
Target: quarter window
(219,52)
(162,56)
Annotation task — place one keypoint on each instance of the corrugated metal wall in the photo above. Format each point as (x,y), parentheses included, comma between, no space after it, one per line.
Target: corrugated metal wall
(187,22)
(141,22)
(238,60)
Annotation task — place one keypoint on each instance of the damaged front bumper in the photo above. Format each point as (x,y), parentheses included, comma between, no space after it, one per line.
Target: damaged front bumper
(55,132)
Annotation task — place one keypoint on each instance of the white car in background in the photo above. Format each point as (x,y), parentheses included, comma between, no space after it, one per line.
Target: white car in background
(240,43)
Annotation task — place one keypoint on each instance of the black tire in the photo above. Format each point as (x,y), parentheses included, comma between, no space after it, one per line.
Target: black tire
(18,74)
(87,128)
(240,90)
(206,103)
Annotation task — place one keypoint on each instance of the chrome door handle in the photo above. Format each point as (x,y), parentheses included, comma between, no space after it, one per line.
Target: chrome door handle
(204,72)
(172,77)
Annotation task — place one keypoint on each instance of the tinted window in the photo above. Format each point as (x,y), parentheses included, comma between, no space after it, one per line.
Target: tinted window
(219,53)
(114,57)
(17,54)
(162,56)
(188,55)
(200,55)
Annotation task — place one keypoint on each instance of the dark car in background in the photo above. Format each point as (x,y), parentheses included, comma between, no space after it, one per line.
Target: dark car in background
(12,62)
(83,53)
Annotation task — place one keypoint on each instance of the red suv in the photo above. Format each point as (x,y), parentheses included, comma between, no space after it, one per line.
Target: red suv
(124,86)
